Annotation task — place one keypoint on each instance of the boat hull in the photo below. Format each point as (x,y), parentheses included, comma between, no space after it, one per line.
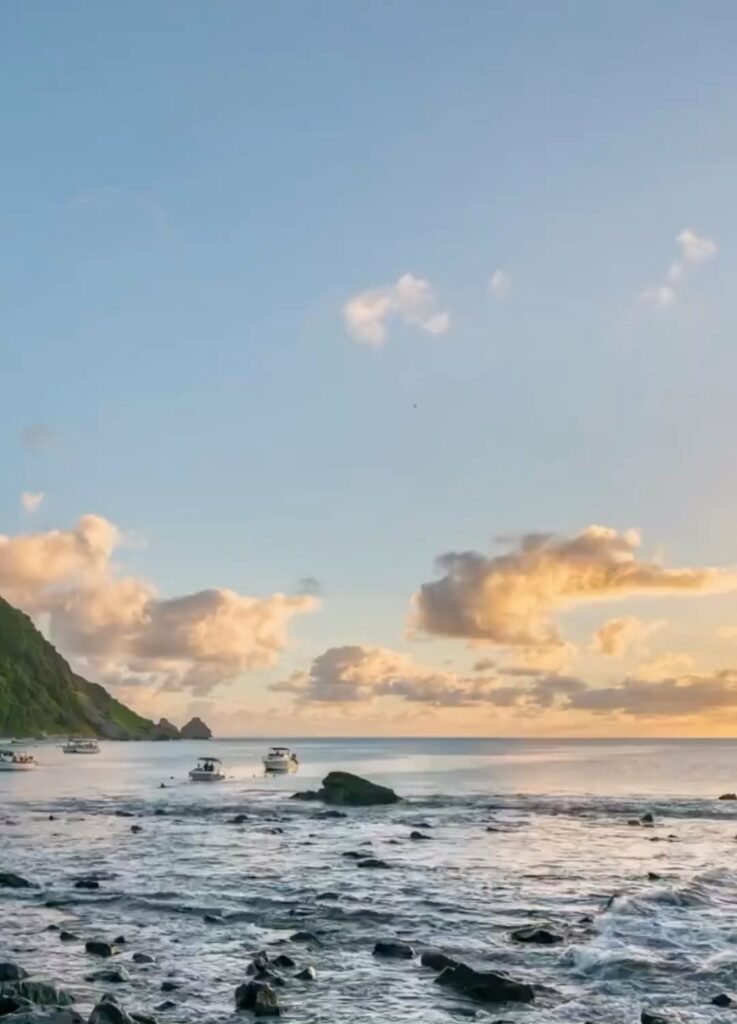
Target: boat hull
(197,776)
(280,765)
(17,767)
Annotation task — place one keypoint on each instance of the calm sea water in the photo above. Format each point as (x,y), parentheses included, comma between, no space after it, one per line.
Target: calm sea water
(561,851)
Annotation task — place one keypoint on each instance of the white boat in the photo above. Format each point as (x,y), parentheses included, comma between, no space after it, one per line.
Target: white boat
(16,761)
(209,769)
(280,759)
(81,746)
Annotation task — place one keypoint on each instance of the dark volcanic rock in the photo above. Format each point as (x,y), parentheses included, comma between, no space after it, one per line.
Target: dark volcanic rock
(38,992)
(728,796)
(539,935)
(652,1018)
(304,937)
(350,790)
(653,876)
(394,950)
(238,819)
(86,883)
(373,862)
(722,1000)
(170,986)
(108,1012)
(13,881)
(113,975)
(68,936)
(306,974)
(99,948)
(326,815)
(11,972)
(259,997)
(195,729)
(485,986)
(142,958)
(419,835)
(436,960)
(647,818)
(352,854)
(136,828)
(168,1004)
(282,960)
(45,1015)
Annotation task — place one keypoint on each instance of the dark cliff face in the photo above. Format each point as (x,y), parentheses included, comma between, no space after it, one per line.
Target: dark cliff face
(195,729)
(166,730)
(40,695)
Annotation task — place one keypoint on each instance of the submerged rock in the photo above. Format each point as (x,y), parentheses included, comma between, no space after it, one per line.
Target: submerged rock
(99,948)
(168,1004)
(107,1011)
(86,883)
(142,958)
(652,1018)
(259,997)
(436,960)
(419,835)
(68,936)
(394,950)
(45,1015)
(722,999)
(282,960)
(373,862)
(238,819)
(486,986)
(11,972)
(350,790)
(12,881)
(304,937)
(38,992)
(647,818)
(306,974)
(534,933)
(112,975)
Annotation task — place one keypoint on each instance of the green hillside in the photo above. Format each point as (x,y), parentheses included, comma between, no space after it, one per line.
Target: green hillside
(39,693)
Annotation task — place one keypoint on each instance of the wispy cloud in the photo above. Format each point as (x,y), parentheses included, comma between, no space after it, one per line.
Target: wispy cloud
(694,250)
(500,283)
(616,636)
(31,500)
(410,300)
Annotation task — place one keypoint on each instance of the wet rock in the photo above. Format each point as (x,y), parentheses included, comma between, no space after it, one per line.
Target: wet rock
(124,814)
(99,948)
(136,828)
(68,936)
(350,790)
(259,997)
(394,950)
(12,881)
(119,941)
(282,960)
(113,975)
(647,818)
(539,935)
(142,1018)
(38,992)
(107,1011)
(168,1004)
(46,1015)
(306,974)
(326,815)
(238,819)
(160,812)
(212,918)
(728,796)
(11,1004)
(634,821)
(170,986)
(436,960)
(652,1018)
(142,958)
(11,972)
(86,883)
(722,999)
(419,835)
(653,876)
(352,854)
(328,895)
(373,862)
(485,986)
(304,937)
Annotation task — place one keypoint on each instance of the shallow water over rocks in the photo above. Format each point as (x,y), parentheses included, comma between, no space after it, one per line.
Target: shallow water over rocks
(188,901)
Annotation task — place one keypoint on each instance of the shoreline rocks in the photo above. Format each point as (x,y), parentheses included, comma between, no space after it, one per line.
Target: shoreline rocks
(486,986)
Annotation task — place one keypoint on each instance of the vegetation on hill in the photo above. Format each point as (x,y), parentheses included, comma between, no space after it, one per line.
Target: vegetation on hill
(39,693)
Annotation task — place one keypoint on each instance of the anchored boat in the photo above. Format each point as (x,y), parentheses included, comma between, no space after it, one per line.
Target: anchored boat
(281,759)
(81,746)
(16,761)
(208,769)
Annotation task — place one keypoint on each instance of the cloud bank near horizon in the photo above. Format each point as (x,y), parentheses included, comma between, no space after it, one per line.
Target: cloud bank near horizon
(119,630)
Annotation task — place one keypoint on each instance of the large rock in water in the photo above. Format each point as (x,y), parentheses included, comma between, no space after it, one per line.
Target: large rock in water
(350,790)
(486,986)
(195,729)
(164,730)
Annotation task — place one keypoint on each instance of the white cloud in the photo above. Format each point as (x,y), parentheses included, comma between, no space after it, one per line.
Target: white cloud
(410,299)
(500,283)
(694,250)
(31,500)
(119,630)
(616,636)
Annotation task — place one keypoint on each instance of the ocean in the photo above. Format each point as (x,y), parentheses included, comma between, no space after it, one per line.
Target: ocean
(522,832)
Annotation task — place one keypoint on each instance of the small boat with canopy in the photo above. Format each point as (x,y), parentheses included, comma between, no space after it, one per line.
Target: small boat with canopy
(16,761)
(207,769)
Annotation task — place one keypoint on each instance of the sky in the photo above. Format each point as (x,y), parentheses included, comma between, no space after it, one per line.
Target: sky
(368,368)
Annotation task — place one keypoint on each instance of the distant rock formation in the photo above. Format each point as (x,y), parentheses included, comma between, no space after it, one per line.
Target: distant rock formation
(195,729)
(164,730)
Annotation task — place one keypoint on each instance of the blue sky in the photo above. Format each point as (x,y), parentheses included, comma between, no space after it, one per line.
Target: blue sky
(192,192)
